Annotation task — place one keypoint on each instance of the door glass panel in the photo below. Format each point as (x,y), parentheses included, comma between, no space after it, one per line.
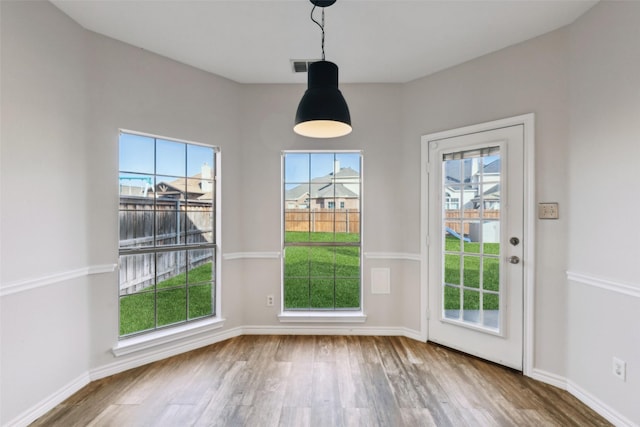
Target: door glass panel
(451,301)
(470,197)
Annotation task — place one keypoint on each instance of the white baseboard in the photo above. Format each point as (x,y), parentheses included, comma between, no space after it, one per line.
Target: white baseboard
(606,411)
(610,414)
(50,402)
(549,378)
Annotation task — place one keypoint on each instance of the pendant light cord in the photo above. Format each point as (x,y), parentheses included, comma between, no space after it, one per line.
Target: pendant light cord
(319,25)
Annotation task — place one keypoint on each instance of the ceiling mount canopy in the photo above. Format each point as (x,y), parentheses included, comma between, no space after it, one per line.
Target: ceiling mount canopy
(323,111)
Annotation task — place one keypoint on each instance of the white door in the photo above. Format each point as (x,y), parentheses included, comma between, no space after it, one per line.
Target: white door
(475,185)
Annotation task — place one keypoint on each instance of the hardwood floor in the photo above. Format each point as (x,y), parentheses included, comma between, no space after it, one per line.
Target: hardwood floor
(321,381)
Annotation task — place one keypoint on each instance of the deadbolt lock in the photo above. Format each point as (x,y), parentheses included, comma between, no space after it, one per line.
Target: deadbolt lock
(514,241)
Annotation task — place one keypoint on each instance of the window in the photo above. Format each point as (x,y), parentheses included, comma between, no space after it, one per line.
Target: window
(167,249)
(322,245)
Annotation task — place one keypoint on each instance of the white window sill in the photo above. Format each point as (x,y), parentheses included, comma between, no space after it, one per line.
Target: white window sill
(322,317)
(164,336)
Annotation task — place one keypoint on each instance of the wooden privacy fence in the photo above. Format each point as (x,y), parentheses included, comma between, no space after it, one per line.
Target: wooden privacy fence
(322,220)
(173,222)
(460,223)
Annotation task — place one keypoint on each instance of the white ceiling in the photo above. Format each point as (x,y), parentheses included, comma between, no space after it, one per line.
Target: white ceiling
(253,41)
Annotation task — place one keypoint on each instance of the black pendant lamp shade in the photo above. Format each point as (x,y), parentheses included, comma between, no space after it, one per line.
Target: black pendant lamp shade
(323,112)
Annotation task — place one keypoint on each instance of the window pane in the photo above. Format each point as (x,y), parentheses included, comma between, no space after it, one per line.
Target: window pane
(170,227)
(199,225)
(200,161)
(471,272)
(200,268)
(322,220)
(348,293)
(172,306)
(491,306)
(170,269)
(451,303)
(322,293)
(347,165)
(452,242)
(137,273)
(296,261)
(201,300)
(452,171)
(170,158)
(322,167)
(297,227)
(136,228)
(347,261)
(136,153)
(452,269)
(322,261)
(137,187)
(170,188)
(491,274)
(296,293)
(473,236)
(296,168)
(471,312)
(137,313)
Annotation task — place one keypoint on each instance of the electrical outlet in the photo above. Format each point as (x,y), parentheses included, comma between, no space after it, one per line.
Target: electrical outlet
(270,301)
(620,368)
(547,210)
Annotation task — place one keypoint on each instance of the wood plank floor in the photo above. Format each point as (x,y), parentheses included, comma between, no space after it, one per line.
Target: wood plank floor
(321,381)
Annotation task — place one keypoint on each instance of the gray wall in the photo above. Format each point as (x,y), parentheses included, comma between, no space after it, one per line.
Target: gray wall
(66,92)
(604,203)
(45,332)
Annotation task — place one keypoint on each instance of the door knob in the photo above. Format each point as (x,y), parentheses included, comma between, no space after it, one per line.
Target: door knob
(513,259)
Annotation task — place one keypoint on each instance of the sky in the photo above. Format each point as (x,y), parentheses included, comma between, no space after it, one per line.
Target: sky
(302,167)
(172,158)
(178,159)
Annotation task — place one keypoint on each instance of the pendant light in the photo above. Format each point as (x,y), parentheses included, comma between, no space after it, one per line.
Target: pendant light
(322,112)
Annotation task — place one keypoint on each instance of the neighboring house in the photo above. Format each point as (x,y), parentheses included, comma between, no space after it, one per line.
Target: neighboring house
(196,187)
(470,191)
(339,190)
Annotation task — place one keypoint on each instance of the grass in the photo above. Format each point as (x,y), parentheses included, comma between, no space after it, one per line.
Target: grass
(469,282)
(315,277)
(137,310)
(321,277)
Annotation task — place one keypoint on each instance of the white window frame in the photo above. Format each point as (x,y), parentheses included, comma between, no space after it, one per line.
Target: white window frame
(145,340)
(322,316)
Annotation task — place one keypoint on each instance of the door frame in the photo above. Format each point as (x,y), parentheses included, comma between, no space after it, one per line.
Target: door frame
(528,122)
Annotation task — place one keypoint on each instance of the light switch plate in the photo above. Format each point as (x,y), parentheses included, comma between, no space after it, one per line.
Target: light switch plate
(547,210)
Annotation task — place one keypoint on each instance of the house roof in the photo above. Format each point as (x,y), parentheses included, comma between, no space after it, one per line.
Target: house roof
(324,187)
(452,169)
(192,186)
(319,191)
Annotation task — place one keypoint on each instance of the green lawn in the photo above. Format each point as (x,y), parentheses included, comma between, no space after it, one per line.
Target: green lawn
(316,277)
(137,310)
(471,274)
(321,277)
